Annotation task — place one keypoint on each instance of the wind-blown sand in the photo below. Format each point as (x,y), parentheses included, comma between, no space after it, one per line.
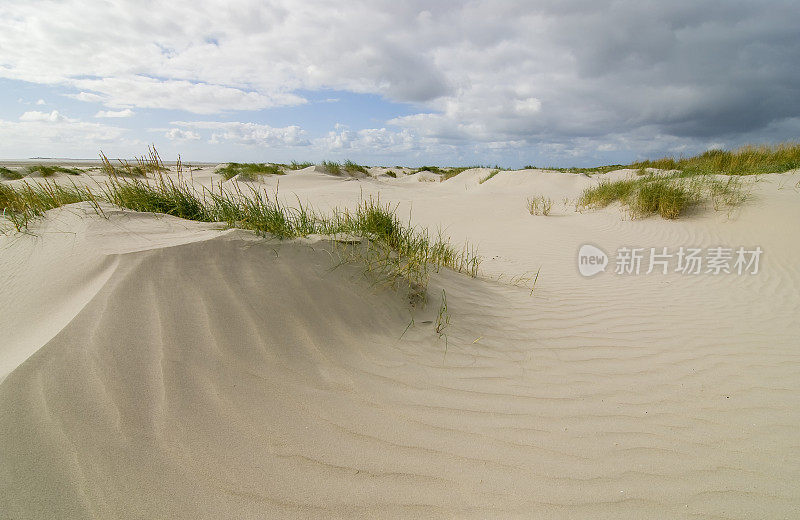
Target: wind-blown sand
(153,367)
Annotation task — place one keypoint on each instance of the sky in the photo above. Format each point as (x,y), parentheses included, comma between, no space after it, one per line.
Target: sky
(509,83)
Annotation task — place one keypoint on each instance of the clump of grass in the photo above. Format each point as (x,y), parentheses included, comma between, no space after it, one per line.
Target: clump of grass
(661,196)
(353,169)
(747,160)
(334,168)
(607,192)
(142,166)
(390,250)
(49,171)
(10,175)
(667,195)
(492,174)
(539,205)
(294,165)
(391,174)
(249,171)
(444,173)
(22,203)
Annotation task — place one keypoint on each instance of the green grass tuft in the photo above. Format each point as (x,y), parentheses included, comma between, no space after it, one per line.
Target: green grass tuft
(747,160)
(294,165)
(334,168)
(492,174)
(539,205)
(249,171)
(49,171)
(10,175)
(390,250)
(668,195)
(353,169)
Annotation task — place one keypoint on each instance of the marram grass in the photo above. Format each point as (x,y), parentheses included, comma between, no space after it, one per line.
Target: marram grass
(389,249)
(747,160)
(249,171)
(669,195)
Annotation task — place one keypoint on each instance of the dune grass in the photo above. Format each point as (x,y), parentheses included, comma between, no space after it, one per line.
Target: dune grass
(334,168)
(353,169)
(492,174)
(141,167)
(49,171)
(294,165)
(444,173)
(539,205)
(390,250)
(249,171)
(391,174)
(668,195)
(747,160)
(9,175)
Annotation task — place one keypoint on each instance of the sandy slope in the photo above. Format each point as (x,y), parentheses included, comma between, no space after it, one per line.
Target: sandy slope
(159,368)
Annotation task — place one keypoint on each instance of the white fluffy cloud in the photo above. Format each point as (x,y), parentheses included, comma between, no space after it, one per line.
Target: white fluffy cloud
(127,112)
(43,117)
(176,134)
(58,136)
(246,133)
(378,140)
(493,73)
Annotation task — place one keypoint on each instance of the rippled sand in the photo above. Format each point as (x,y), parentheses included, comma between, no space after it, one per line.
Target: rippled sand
(158,368)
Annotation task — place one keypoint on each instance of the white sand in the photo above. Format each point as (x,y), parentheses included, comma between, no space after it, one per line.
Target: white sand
(159,368)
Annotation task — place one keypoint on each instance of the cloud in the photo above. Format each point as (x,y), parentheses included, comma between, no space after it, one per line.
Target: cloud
(44,117)
(42,134)
(41,102)
(127,112)
(248,133)
(544,73)
(176,134)
(377,140)
(87,97)
(199,98)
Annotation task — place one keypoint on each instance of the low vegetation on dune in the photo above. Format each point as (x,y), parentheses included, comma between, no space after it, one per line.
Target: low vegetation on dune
(353,169)
(444,173)
(539,205)
(488,177)
(348,167)
(333,167)
(9,175)
(747,160)
(668,195)
(390,250)
(249,171)
(140,167)
(294,165)
(49,171)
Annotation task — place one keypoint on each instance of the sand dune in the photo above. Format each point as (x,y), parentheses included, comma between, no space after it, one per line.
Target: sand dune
(159,368)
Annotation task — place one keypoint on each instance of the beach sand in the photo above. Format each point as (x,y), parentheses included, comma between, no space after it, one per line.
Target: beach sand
(153,367)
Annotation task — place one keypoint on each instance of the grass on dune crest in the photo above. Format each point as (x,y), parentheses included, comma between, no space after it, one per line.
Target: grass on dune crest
(392,250)
(444,173)
(666,195)
(294,165)
(249,171)
(49,171)
(747,160)
(8,174)
(488,177)
(141,166)
(348,167)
